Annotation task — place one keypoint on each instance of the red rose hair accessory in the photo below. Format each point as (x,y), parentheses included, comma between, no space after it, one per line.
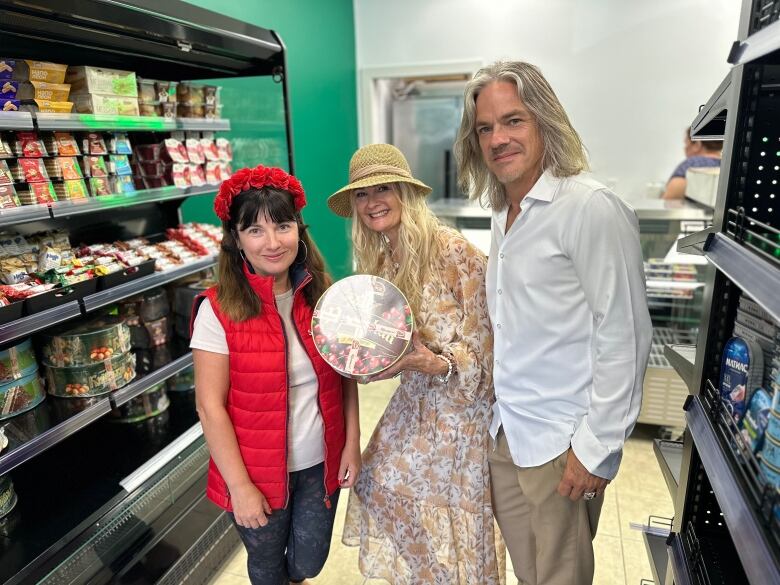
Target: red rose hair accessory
(257,178)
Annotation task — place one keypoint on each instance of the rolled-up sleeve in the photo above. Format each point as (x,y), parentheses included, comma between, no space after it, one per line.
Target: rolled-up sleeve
(607,257)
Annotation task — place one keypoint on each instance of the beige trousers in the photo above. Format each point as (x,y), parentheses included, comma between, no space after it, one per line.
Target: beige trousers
(549,537)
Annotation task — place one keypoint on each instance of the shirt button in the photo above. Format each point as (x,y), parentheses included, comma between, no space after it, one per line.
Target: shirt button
(501,255)
(498,325)
(499,291)
(498,362)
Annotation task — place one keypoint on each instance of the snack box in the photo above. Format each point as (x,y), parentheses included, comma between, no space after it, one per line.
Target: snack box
(5,173)
(30,70)
(62,144)
(7,67)
(28,145)
(151,403)
(21,395)
(9,89)
(8,197)
(70,190)
(93,341)
(98,80)
(10,105)
(42,90)
(362,325)
(29,170)
(91,380)
(63,167)
(47,106)
(37,193)
(107,105)
(17,361)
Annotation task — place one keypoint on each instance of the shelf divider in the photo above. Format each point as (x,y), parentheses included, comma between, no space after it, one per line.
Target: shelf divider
(669,455)
(682,358)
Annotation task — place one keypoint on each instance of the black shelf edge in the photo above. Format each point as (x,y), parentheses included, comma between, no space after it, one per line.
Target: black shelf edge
(753,274)
(105,202)
(669,455)
(710,124)
(38,321)
(138,387)
(755,551)
(16,215)
(134,287)
(54,435)
(683,359)
(16,121)
(696,243)
(757,45)
(679,561)
(657,554)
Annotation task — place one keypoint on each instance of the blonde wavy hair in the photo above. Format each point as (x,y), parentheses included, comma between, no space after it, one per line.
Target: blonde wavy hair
(417,246)
(564,153)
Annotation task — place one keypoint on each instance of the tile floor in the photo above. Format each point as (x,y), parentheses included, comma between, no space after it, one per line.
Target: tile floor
(621,559)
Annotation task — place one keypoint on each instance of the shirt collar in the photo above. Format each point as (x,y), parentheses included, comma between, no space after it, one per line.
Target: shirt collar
(545,188)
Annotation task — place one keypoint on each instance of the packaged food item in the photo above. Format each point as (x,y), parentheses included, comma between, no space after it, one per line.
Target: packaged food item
(119,143)
(148,152)
(211,94)
(66,144)
(197,175)
(174,151)
(148,108)
(28,145)
(149,404)
(770,452)
(94,144)
(99,80)
(224,149)
(212,111)
(94,166)
(166,91)
(42,90)
(214,173)
(10,105)
(99,186)
(8,197)
(8,496)
(189,111)
(146,90)
(119,164)
(190,94)
(29,170)
(362,325)
(106,105)
(180,174)
(93,379)
(167,109)
(194,151)
(20,395)
(47,106)
(69,190)
(9,89)
(29,70)
(17,361)
(37,193)
(741,371)
(125,184)
(63,167)
(756,419)
(89,342)
(5,148)
(7,67)
(5,173)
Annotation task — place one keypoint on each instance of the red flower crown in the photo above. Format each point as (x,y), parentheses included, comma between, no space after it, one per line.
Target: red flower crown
(257,178)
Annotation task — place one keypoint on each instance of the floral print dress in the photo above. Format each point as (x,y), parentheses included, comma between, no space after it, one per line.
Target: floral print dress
(421,510)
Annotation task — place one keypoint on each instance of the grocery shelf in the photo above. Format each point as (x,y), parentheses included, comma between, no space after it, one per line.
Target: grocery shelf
(38,321)
(696,243)
(86,122)
(754,275)
(710,124)
(658,555)
(104,202)
(141,385)
(757,45)
(747,531)
(683,359)
(134,287)
(203,124)
(16,121)
(669,455)
(679,560)
(16,215)
(59,428)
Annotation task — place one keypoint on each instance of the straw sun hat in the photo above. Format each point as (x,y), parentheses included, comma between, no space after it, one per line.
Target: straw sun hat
(373,165)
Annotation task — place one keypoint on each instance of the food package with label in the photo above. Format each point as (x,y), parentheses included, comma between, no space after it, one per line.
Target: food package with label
(5,147)
(106,105)
(123,184)
(64,167)
(174,151)
(37,193)
(10,105)
(7,67)
(152,402)
(42,90)
(61,144)
(8,498)
(47,106)
(119,143)
(195,152)
(93,341)
(21,395)
(94,166)
(9,89)
(224,149)
(362,325)
(28,145)
(119,164)
(17,361)
(180,173)
(94,144)
(98,80)
(197,175)
(741,372)
(30,70)
(93,379)
(70,190)
(5,173)
(28,170)
(190,94)
(8,197)
(99,186)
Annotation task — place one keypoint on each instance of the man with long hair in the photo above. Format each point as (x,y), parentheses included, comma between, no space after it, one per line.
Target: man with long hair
(566,296)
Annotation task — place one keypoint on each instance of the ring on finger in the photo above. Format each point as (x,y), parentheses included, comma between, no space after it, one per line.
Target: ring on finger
(589,495)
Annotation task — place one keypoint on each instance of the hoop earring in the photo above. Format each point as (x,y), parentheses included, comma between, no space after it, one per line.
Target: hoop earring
(243,256)
(306,252)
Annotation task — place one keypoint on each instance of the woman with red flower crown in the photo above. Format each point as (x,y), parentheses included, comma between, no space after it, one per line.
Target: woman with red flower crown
(281,425)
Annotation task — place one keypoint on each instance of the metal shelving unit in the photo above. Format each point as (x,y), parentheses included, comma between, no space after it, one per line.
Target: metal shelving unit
(669,455)
(16,121)
(96,122)
(682,357)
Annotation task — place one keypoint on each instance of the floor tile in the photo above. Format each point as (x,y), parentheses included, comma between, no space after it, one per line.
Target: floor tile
(341,568)
(609,561)
(636,562)
(228,579)
(609,521)
(236,564)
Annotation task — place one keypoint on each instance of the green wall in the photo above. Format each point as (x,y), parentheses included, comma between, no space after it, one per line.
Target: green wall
(320,41)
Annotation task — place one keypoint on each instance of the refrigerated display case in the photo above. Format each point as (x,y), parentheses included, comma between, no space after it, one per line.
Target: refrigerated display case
(98,501)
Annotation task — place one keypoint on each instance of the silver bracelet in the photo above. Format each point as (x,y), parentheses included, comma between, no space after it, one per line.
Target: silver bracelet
(446,377)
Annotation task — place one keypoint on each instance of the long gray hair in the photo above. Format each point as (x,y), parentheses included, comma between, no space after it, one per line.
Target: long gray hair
(564,154)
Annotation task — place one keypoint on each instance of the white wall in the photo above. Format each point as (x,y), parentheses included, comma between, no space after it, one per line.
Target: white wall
(631,73)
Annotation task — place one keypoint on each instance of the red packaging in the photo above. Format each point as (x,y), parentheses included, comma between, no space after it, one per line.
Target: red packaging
(66,144)
(224,149)
(195,151)
(94,144)
(175,151)
(5,174)
(40,193)
(33,170)
(210,150)
(28,145)
(181,175)
(148,152)
(8,197)
(197,176)
(362,325)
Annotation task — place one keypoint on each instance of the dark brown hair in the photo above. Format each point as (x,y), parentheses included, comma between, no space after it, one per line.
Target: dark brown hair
(236,298)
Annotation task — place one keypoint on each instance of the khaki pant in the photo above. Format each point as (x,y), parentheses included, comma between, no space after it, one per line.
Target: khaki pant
(549,537)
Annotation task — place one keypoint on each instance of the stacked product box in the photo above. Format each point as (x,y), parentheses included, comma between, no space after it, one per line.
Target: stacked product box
(37,86)
(198,101)
(191,160)
(97,90)
(157,98)
(148,318)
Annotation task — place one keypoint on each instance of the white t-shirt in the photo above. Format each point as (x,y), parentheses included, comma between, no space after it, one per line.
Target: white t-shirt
(305,431)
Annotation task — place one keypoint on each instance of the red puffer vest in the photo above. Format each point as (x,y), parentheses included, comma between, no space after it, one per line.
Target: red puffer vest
(257,398)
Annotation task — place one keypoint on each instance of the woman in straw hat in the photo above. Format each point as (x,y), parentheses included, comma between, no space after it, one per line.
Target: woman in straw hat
(420,510)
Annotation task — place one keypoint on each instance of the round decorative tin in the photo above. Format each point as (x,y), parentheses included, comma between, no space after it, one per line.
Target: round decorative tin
(151,403)
(91,380)
(361,325)
(21,395)
(17,361)
(92,342)
(7,496)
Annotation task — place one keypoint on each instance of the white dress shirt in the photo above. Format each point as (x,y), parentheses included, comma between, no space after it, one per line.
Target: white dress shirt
(566,295)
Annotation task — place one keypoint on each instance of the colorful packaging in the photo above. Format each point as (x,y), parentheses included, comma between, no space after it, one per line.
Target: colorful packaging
(195,151)
(99,80)
(30,170)
(94,144)
(69,190)
(7,67)
(47,106)
(9,89)
(119,164)
(66,144)
(10,105)
(29,70)
(28,145)
(42,90)
(99,186)
(95,166)
(119,143)
(5,174)
(38,193)
(8,197)
(105,105)
(741,371)
(754,424)
(20,395)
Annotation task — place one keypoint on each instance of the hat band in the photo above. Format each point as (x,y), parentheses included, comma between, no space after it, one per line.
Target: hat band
(378,170)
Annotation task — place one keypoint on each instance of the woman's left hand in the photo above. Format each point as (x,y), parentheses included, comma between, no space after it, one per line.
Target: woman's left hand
(420,359)
(350,465)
